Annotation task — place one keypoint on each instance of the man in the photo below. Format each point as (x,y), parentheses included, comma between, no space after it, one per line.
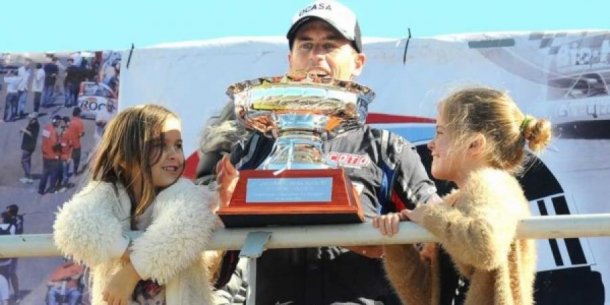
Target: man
(28,146)
(66,140)
(65,284)
(16,220)
(12,82)
(38,85)
(51,70)
(102,118)
(6,264)
(71,83)
(24,72)
(324,40)
(77,130)
(51,150)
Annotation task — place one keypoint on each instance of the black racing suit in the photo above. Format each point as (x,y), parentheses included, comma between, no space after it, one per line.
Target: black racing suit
(389,175)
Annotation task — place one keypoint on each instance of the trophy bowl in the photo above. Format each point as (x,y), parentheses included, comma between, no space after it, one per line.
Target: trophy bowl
(298,114)
(296,183)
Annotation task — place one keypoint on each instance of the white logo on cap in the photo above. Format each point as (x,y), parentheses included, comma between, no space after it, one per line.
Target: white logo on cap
(316,6)
(334,13)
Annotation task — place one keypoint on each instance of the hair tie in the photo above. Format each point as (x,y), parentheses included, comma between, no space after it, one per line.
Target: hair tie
(524,123)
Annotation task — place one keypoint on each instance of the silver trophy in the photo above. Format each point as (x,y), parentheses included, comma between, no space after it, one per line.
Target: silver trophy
(296,183)
(299,114)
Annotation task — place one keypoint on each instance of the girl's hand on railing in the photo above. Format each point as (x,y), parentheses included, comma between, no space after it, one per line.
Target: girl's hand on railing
(388,223)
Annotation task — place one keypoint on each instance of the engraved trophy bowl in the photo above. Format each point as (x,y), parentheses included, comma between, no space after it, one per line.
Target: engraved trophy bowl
(298,114)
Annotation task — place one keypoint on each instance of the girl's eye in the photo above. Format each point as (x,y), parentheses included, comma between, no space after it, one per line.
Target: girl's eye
(158,144)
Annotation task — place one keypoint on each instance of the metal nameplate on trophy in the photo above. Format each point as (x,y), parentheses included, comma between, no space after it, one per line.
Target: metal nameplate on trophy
(296,184)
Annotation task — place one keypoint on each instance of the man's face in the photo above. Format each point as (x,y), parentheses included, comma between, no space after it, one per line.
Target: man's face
(319,49)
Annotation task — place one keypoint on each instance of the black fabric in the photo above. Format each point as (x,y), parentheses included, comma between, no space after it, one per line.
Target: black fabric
(453,287)
(578,285)
(207,163)
(28,142)
(17,221)
(74,75)
(320,276)
(227,268)
(50,71)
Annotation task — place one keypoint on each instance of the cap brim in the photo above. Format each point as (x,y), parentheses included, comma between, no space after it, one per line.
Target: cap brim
(292,32)
(295,27)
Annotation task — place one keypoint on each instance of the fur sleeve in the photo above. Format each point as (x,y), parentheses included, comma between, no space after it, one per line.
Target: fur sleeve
(178,234)
(87,227)
(480,228)
(410,276)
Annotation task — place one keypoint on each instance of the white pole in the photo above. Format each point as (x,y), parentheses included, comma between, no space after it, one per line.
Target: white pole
(540,227)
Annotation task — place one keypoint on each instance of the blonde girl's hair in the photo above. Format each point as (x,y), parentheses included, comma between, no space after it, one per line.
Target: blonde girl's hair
(497,117)
(130,145)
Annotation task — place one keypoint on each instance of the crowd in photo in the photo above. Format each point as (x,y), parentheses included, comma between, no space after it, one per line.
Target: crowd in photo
(49,99)
(11,223)
(33,86)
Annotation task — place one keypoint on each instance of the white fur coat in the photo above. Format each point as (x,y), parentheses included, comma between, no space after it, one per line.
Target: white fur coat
(477,226)
(91,227)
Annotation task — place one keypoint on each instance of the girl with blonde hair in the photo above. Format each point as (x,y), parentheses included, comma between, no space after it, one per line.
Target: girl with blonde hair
(479,145)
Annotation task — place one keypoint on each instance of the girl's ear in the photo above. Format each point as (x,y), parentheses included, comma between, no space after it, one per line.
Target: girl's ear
(123,165)
(121,170)
(477,145)
(125,168)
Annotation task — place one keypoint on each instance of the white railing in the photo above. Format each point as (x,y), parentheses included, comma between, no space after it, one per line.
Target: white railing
(541,227)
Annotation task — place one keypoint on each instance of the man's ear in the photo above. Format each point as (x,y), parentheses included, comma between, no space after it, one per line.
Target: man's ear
(477,144)
(359,61)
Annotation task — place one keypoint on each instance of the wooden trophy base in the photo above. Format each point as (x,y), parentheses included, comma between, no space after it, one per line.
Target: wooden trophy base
(293,197)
